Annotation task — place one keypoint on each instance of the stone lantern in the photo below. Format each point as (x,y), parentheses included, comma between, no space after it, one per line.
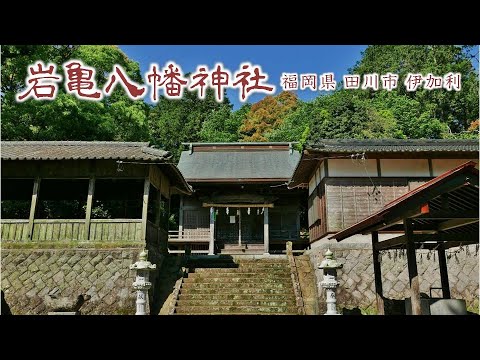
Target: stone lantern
(330,283)
(141,283)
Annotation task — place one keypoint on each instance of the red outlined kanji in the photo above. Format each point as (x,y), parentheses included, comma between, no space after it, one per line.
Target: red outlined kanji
(389,81)
(81,81)
(202,75)
(41,83)
(351,81)
(289,81)
(133,90)
(370,81)
(452,81)
(220,78)
(173,81)
(433,82)
(413,81)
(327,82)
(153,78)
(308,81)
(246,78)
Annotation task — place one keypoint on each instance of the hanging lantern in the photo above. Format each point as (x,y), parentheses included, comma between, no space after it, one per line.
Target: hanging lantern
(258,211)
(227,210)
(248,211)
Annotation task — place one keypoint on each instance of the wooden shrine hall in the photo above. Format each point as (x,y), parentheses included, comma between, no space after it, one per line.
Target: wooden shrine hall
(241,203)
(87,191)
(438,215)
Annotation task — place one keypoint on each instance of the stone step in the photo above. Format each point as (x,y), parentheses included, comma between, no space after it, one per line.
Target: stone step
(235,285)
(238,280)
(216,296)
(241,285)
(237,274)
(236,310)
(278,303)
(263,264)
(240,270)
(241,251)
(257,269)
(235,290)
(212,265)
(262,261)
(237,260)
(235,314)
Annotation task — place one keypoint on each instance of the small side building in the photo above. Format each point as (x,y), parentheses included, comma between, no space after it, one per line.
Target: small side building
(86,191)
(76,214)
(350,179)
(241,204)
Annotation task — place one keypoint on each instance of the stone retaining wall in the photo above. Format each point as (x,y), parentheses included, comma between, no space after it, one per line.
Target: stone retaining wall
(30,274)
(357,287)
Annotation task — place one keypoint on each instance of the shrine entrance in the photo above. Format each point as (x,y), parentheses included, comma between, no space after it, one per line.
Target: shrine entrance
(241,228)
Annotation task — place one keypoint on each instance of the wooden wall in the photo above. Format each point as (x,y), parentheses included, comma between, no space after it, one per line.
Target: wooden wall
(341,202)
(344,191)
(160,181)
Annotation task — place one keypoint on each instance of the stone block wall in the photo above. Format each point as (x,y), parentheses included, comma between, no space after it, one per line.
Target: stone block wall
(357,287)
(27,275)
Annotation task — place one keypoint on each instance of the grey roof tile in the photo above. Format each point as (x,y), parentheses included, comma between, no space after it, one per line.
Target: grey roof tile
(394,145)
(80,150)
(234,165)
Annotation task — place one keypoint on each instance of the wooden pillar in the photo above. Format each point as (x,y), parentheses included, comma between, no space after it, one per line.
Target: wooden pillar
(158,215)
(239,226)
(88,212)
(168,213)
(377,271)
(442,262)
(180,219)
(146,190)
(412,269)
(33,206)
(266,231)
(212,231)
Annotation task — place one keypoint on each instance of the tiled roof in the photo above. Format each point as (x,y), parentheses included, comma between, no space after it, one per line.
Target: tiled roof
(393,145)
(237,165)
(80,150)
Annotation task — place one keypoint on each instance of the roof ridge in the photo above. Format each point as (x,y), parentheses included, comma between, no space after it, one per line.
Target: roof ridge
(383,141)
(73,143)
(247,143)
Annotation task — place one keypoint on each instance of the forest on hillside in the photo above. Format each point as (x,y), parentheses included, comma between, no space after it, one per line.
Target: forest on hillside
(283,117)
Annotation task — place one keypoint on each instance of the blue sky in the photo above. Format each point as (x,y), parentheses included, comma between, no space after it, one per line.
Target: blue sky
(274,59)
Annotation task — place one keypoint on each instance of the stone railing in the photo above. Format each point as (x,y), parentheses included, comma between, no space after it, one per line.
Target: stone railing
(296,283)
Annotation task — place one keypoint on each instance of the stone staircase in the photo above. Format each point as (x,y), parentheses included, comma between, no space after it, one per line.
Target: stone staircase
(222,285)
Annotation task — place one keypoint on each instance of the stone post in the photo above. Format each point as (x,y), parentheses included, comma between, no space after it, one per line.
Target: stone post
(141,283)
(330,283)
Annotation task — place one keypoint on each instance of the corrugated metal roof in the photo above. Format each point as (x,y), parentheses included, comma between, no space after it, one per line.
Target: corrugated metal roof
(238,165)
(394,145)
(80,150)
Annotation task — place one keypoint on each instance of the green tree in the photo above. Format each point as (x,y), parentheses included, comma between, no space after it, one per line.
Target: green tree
(295,124)
(223,125)
(67,118)
(172,122)
(447,111)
